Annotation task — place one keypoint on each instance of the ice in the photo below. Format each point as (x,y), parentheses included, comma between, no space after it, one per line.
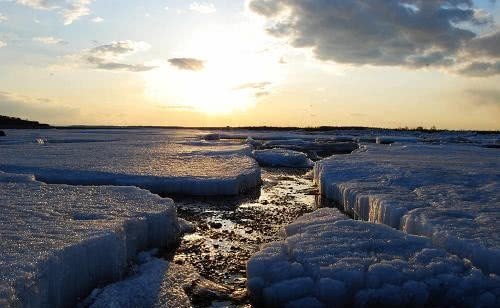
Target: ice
(282,158)
(160,161)
(155,283)
(448,193)
(329,260)
(314,148)
(59,241)
(393,139)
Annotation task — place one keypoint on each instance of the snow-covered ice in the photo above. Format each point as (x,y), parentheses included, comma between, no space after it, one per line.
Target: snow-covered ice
(162,162)
(282,158)
(58,242)
(329,260)
(155,283)
(448,193)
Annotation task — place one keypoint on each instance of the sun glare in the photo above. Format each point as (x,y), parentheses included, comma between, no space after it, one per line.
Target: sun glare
(235,74)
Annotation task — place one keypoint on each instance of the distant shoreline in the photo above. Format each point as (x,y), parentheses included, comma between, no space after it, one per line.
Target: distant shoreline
(7,122)
(278,128)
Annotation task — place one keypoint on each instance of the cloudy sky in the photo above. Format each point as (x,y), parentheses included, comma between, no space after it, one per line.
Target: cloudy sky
(390,63)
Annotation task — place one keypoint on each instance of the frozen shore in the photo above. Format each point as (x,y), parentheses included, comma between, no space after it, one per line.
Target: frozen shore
(448,193)
(58,242)
(327,259)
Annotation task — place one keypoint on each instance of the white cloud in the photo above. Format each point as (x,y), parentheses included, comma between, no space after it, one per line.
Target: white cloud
(76,9)
(2,44)
(97,19)
(71,10)
(202,8)
(40,4)
(49,40)
(3,18)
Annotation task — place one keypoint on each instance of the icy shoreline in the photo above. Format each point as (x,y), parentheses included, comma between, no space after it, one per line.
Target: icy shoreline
(327,259)
(59,241)
(447,193)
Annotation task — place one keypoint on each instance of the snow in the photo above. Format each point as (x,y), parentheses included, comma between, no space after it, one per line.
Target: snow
(448,193)
(153,160)
(282,158)
(156,283)
(326,258)
(153,283)
(59,241)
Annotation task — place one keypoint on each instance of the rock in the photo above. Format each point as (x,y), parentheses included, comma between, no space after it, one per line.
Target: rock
(215,225)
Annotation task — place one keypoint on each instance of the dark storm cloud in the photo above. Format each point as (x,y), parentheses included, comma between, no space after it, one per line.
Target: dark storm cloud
(412,33)
(189,64)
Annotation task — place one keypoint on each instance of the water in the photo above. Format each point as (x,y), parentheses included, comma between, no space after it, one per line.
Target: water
(229,230)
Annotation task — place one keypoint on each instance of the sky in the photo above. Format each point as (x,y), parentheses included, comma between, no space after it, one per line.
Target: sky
(378,63)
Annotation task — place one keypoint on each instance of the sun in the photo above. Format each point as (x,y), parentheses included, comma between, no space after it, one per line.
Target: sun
(236,73)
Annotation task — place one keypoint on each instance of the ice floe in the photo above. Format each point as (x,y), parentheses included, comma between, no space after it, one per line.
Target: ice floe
(329,260)
(156,162)
(446,192)
(58,242)
(282,158)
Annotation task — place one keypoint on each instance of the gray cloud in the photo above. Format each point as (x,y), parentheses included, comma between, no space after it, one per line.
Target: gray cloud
(190,64)
(481,69)
(411,33)
(112,66)
(109,56)
(488,45)
(34,108)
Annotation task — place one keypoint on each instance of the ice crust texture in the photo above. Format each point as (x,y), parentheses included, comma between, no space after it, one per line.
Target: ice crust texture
(282,158)
(449,193)
(155,283)
(329,260)
(158,160)
(59,242)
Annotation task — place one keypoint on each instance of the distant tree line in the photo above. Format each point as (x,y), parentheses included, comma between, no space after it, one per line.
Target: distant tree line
(12,122)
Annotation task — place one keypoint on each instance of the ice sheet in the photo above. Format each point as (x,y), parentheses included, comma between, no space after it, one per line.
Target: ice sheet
(446,192)
(58,242)
(329,260)
(163,162)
